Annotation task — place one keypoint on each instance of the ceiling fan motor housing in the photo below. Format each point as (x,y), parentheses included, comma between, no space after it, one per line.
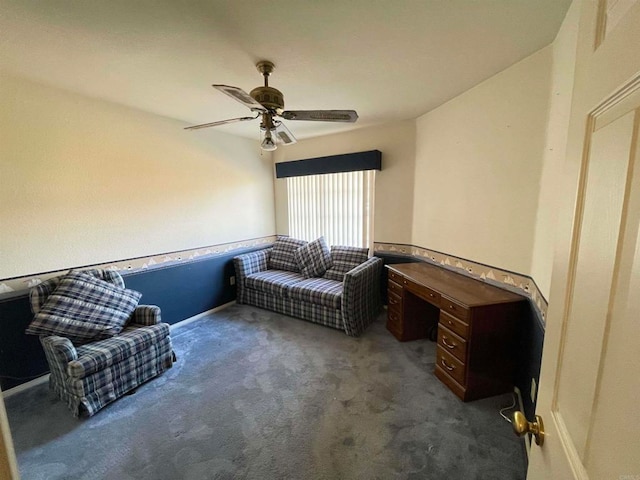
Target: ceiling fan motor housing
(271,98)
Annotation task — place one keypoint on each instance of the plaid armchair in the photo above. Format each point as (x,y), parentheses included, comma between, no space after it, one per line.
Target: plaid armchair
(91,375)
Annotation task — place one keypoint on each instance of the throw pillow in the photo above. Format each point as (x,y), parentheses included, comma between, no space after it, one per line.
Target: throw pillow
(345,259)
(282,254)
(314,258)
(39,294)
(83,308)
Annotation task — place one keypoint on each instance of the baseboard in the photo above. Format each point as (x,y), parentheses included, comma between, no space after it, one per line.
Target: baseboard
(25,386)
(189,320)
(45,378)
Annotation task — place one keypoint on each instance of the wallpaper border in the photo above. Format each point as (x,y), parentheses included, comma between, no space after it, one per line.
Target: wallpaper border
(16,284)
(513,281)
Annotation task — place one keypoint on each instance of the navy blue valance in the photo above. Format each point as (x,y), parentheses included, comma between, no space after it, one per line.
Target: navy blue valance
(348,162)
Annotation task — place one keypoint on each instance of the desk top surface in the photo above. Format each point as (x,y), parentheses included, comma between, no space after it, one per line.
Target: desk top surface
(456,286)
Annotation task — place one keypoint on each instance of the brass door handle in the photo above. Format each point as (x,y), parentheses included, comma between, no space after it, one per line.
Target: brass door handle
(522,426)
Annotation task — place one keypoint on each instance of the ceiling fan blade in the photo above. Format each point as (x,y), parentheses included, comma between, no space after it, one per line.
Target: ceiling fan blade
(321,115)
(241,96)
(221,122)
(283,134)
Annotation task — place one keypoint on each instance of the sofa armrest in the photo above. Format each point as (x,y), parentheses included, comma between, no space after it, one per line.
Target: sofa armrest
(361,299)
(247,264)
(59,349)
(146,315)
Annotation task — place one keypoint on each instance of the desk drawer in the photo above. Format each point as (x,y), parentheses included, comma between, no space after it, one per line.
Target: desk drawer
(394,300)
(454,308)
(394,318)
(394,287)
(453,324)
(423,292)
(452,343)
(396,277)
(450,364)
(394,310)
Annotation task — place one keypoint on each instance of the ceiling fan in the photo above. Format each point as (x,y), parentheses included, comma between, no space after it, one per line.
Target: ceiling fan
(268,102)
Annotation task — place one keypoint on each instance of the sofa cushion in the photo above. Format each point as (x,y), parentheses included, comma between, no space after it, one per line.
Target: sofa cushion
(83,308)
(314,258)
(282,254)
(99,355)
(275,282)
(319,291)
(345,259)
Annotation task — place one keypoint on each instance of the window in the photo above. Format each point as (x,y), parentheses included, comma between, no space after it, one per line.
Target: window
(338,206)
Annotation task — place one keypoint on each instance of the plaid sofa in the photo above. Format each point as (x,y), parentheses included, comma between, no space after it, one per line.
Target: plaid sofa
(350,304)
(89,376)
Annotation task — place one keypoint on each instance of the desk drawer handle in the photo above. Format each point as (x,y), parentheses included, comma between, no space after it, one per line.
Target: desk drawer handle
(452,307)
(451,368)
(447,344)
(450,322)
(431,295)
(393,302)
(404,281)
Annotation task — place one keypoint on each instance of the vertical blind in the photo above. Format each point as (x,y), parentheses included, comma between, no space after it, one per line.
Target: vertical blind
(338,206)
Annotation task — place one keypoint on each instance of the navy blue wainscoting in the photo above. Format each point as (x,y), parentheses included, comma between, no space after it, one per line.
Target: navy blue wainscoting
(181,290)
(21,356)
(531,342)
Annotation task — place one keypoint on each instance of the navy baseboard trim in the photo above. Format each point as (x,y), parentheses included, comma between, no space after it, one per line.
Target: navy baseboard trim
(181,290)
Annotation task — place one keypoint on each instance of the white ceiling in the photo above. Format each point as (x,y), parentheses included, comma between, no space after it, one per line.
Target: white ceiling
(387,59)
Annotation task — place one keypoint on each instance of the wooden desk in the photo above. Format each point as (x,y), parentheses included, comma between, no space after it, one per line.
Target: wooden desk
(477,325)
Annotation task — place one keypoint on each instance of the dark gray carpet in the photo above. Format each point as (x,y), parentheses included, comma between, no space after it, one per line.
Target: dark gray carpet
(258,395)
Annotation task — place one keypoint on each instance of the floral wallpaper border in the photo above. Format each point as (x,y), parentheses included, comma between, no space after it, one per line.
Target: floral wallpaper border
(136,264)
(515,282)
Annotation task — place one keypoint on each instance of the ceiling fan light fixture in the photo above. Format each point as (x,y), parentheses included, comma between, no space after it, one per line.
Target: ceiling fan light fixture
(268,102)
(268,145)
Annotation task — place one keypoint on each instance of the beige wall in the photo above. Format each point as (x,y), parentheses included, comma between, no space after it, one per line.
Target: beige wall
(478,168)
(562,73)
(85,181)
(394,184)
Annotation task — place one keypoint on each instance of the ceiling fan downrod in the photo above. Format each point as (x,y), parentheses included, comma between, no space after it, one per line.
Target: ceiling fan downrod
(265,67)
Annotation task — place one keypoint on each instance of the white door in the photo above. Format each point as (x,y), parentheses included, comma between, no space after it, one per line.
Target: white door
(8,465)
(589,397)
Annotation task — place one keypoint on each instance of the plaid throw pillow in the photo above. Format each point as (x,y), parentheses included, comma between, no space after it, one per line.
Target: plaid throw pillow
(282,254)
(83,308)
(314,258)
(39,294)
(345,259)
